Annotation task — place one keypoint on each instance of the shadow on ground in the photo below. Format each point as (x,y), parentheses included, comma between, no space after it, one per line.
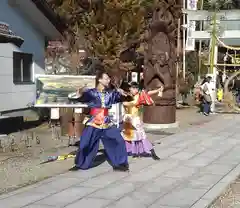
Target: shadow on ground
(11,125)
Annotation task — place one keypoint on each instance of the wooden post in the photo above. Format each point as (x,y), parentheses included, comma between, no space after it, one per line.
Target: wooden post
(66,121)
(178,55)
(78,122)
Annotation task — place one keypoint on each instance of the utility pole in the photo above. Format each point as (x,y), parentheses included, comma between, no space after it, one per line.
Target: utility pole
(213,60)
(184,42)
(200,47)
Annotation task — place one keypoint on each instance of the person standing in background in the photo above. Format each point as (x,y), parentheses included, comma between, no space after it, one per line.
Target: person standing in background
(206,94)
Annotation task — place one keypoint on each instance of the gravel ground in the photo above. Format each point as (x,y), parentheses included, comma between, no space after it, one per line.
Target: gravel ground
(23,167)
(230,198)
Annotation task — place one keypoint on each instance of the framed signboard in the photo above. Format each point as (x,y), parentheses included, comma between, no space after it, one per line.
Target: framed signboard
(53,90)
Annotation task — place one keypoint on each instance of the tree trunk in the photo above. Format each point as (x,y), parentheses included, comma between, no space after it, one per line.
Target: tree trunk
(160,61)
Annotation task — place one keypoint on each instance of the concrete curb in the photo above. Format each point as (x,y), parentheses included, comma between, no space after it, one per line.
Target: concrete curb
(160,127)
(208,198)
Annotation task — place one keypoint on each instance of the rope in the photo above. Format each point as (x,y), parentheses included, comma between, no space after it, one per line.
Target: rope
(229,70)
(226,46)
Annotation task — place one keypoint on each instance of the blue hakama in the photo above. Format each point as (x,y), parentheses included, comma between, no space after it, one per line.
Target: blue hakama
(112,140)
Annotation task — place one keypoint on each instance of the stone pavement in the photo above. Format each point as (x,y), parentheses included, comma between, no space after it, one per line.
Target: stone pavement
(197,165)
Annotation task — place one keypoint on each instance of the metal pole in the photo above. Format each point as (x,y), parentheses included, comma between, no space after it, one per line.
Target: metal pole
(213,61)
(200,47)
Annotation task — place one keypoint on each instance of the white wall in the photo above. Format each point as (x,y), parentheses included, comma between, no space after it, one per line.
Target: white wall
(18,96)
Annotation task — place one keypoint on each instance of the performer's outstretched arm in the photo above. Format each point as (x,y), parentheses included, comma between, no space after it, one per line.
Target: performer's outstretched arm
(81,95)
(159,90)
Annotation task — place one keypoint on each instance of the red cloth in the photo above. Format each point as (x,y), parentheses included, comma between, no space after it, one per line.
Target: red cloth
(95,111)
(145,99)
(99,115)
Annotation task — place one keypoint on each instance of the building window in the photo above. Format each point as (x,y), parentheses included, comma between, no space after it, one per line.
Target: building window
(22,68)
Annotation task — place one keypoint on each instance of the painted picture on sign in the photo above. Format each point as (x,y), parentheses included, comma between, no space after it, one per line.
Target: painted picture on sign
(55,89)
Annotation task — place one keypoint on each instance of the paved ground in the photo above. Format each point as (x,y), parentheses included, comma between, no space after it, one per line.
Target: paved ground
(22,167)
(197,165)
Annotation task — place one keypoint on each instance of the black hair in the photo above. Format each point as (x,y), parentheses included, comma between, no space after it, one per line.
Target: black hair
(204,81)
(99,75)
(125,86)
(134,84)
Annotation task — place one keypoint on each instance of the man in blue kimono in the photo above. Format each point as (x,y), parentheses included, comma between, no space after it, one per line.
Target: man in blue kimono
(100,126)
